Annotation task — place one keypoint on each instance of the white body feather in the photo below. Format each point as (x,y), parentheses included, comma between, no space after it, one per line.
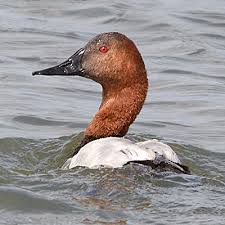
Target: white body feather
(115,152)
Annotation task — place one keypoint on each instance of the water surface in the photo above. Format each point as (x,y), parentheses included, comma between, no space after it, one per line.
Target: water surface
(183,46)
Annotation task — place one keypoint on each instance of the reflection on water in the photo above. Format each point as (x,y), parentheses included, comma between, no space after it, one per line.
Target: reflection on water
(182,43)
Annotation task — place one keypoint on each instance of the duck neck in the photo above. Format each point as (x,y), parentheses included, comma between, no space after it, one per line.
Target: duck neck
(119,108)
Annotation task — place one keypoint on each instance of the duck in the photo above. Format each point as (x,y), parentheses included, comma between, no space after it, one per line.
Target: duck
(114,61)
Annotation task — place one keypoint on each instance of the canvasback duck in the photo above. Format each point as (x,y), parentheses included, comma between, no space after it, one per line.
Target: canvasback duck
(113,60)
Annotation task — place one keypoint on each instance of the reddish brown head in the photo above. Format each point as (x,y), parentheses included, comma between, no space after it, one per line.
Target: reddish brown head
(112,60)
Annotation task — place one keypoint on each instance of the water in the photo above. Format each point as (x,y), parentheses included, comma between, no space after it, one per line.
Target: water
(183,45)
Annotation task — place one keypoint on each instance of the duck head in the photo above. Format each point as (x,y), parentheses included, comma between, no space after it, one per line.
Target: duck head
(109,59)
(112,60)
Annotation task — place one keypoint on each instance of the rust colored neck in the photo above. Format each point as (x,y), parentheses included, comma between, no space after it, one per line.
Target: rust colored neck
(119,108)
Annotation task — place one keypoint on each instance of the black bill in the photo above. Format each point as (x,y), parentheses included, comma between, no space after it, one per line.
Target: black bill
(71,67)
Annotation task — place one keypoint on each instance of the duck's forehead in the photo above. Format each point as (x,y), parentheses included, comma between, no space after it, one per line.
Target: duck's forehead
(107,39)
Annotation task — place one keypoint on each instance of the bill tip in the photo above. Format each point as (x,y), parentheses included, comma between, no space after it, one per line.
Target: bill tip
(36,73)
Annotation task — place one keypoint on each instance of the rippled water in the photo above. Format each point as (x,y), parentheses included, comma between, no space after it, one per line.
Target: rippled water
(183,45)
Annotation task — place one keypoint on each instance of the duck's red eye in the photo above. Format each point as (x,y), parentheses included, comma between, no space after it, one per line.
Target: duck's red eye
(103,49)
